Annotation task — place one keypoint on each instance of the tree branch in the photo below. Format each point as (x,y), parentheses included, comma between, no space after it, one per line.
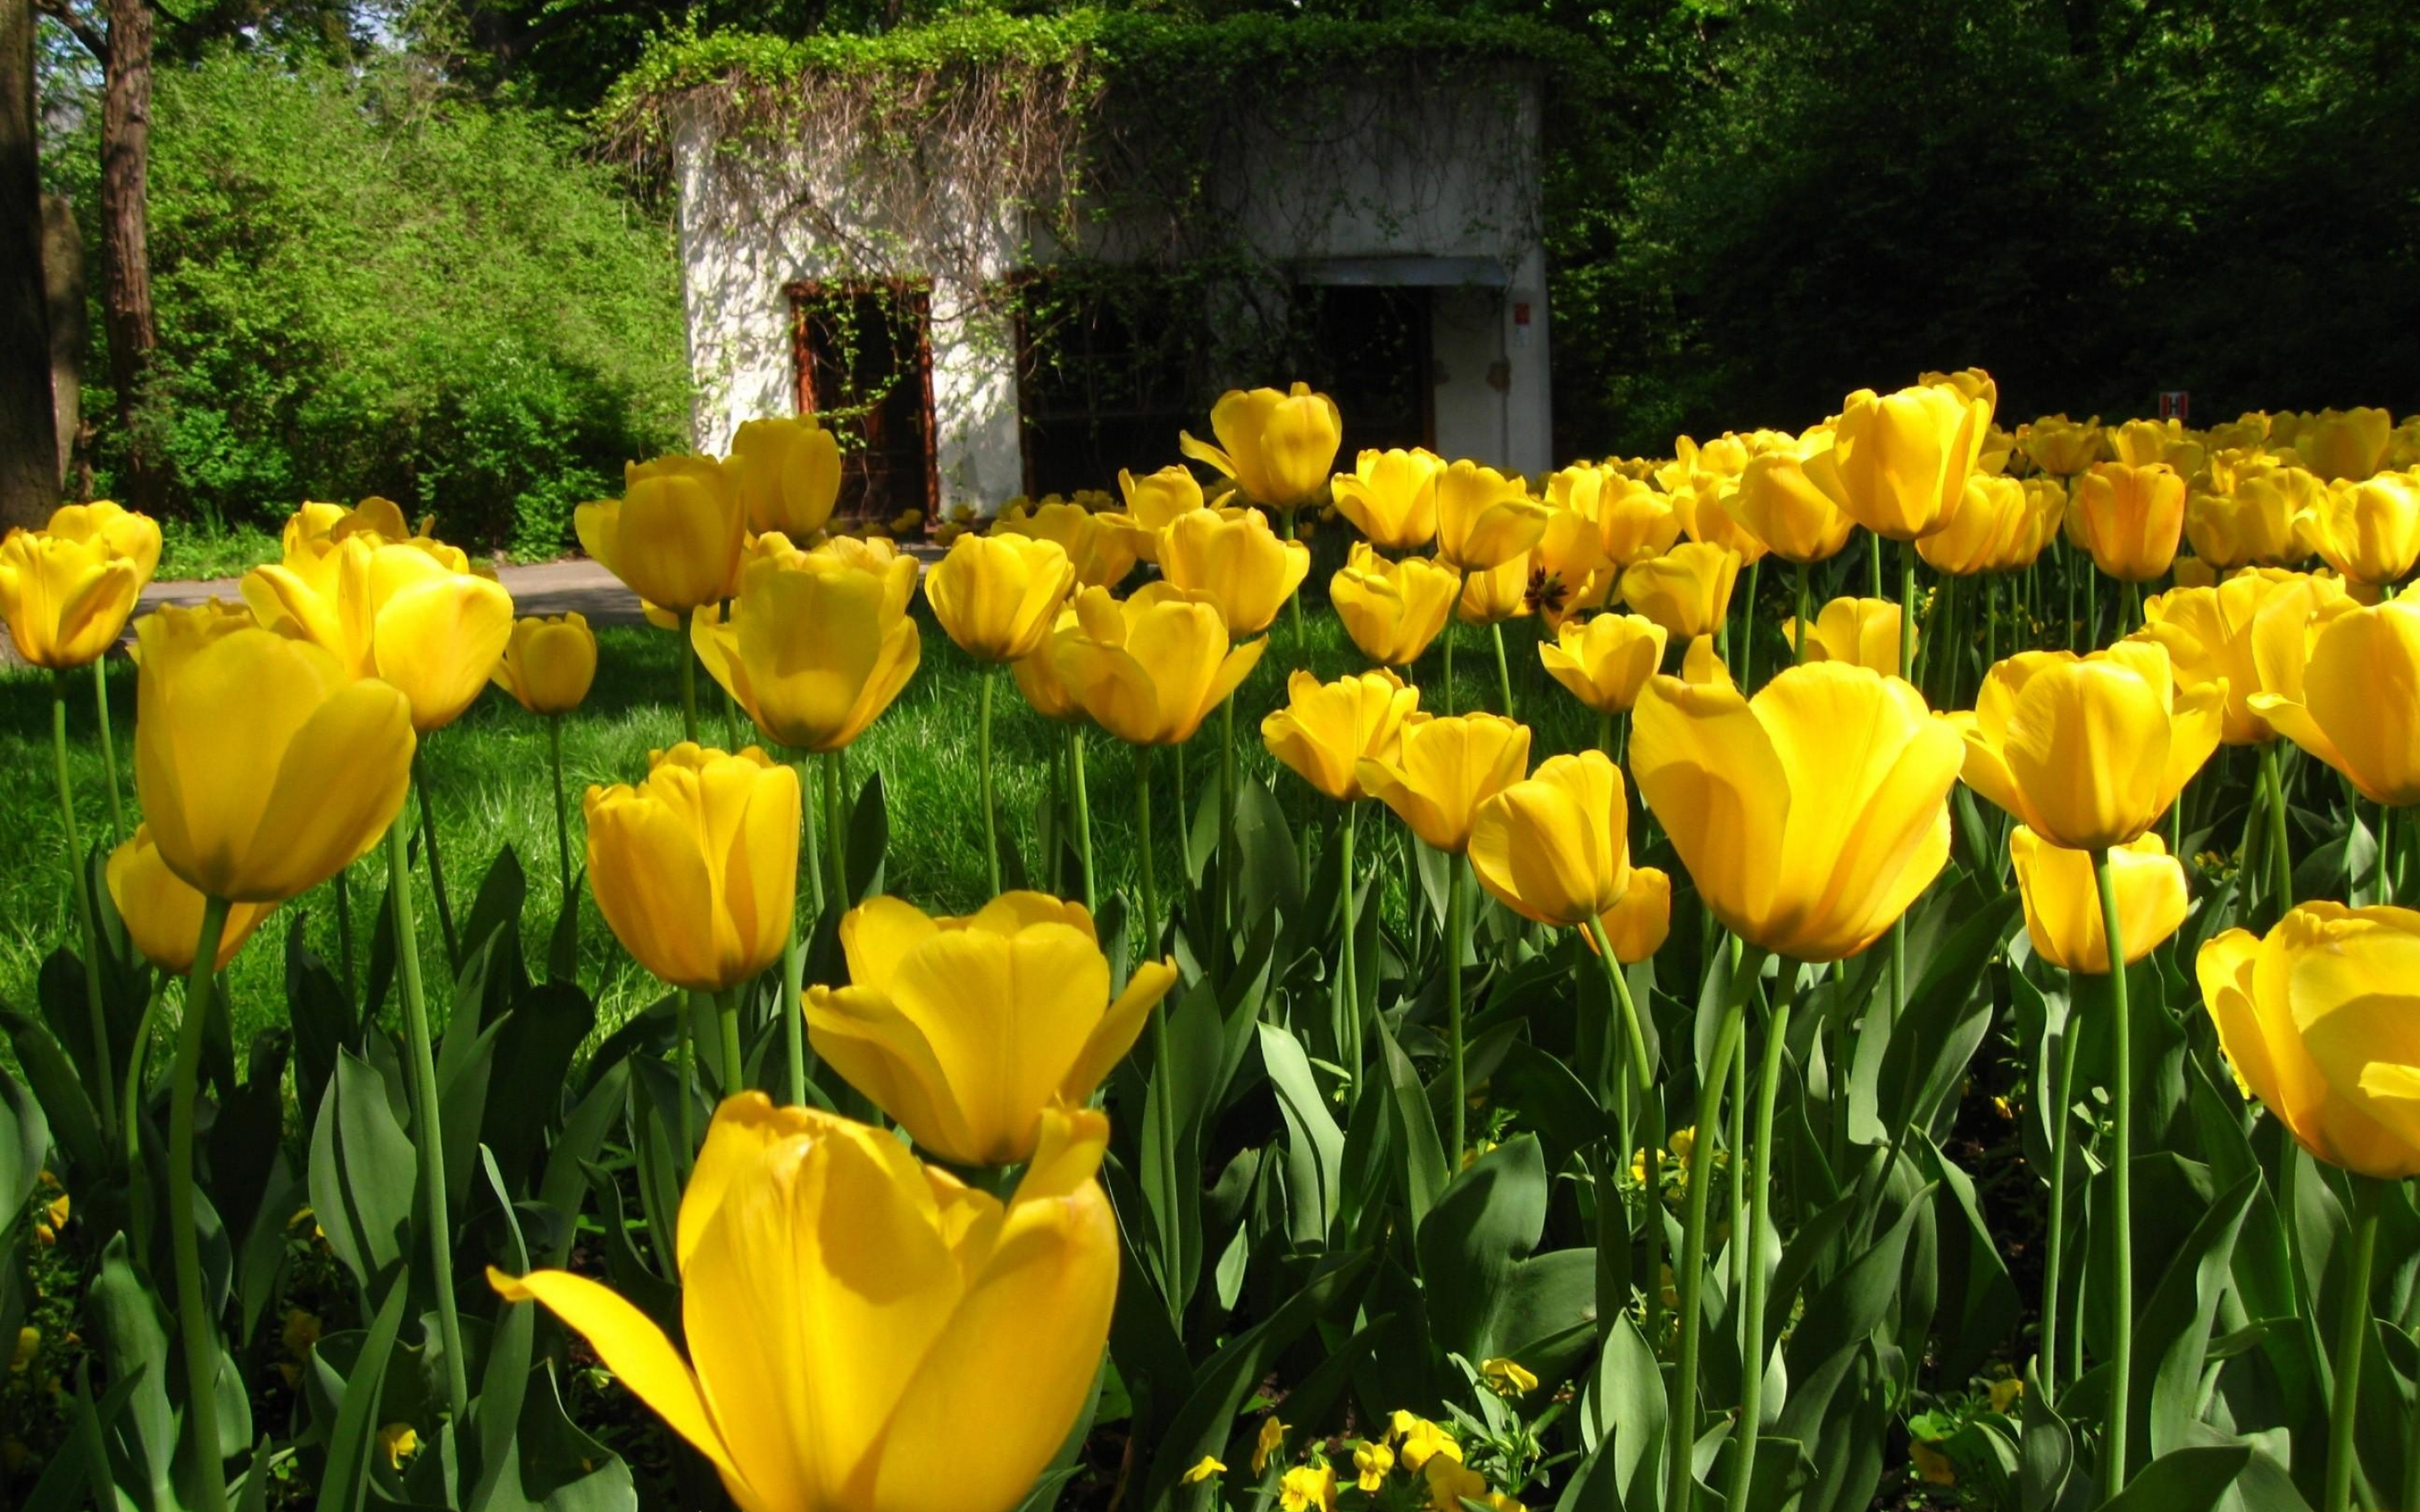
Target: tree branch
(93,41)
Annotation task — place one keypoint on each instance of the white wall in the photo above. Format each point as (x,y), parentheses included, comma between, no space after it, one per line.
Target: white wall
(1421,176)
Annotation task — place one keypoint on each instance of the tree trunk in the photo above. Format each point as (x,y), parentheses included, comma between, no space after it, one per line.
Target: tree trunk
(126,241)
(29,458)
(63,285)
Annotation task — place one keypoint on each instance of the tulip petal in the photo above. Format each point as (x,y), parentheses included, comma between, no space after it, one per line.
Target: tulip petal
(339,785)
(1117,1031)
(1704,765)
(878,935)
(883,1052)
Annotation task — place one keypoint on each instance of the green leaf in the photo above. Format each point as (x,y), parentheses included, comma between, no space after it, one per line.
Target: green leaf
(25,1140)
(1625,1414)
(2172,1331)
(1488,1295)
(65,1106)
(2184,1480)
(138,1354)
(1314,1146)
(363,1174)
(344,1486)
(869,840)
(1415,1129)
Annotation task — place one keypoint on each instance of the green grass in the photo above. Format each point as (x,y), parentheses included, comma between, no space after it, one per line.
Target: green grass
(186,554)
(492,788)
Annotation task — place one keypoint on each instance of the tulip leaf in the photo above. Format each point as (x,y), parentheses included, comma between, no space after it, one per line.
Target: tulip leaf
(504,1379)
(2046,1451)
(2184,1480)
(25,1140)
(1221,1387)
(1486,1294)
(2174,1326)
(138,1352)
(494,925)
(563,941)
(72,1482)
(1834,1327)
(66,1107)
(363,1174)
(869,841)
(1946,1020)
(1981,1303)
(323,1018)
(1314,1146)
(1415,1129)
(344,1485)
(1625,1413)
(576,1144)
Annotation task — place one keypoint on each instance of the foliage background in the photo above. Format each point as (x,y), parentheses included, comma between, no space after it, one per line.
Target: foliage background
(391,256)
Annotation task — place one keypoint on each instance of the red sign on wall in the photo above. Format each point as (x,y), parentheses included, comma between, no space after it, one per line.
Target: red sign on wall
(2176,404)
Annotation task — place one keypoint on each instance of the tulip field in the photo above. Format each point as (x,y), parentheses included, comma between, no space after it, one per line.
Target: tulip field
(1837,969)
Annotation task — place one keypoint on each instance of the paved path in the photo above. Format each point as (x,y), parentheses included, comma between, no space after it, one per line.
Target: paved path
(547,587)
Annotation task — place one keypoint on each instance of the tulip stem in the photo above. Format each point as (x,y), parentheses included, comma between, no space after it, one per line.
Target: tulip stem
(735,1061)
(1651,1133)
(1142,846)
(1760,1220)
(990,805)
(1446,635)
(815,854)
(436,866)
(1682,1422)
(108,748)
(1293,600)
(2353,1332)
(688,679)
(1083,811)
(794,1050)
(2062,1155)
(1224,877)
(425,1130)
(1874,559)
(194,1319)
(1503,673)
(1799,639)
(833,841)
(2281,868)
(343,880)
(562,819)
(1349,1023)
(2122,1185)
(1748,631)
(2383,891)
(80,885)
(684,1056)
(1455,906)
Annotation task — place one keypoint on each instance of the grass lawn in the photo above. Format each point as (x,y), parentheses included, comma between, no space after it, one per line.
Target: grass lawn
(491,778)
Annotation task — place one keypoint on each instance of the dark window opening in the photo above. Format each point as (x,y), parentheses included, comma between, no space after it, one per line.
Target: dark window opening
(1367,345)
(1107,374)
(865,367)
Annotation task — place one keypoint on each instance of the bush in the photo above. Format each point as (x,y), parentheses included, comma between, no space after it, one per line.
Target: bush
(365,284)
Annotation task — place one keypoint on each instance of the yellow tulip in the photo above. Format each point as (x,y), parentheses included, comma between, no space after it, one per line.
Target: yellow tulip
(675,535)
(2341,691)
(2316,1019)
(2255,522)
(696,867)
(163,913)
(2345,445)
(1779,505)
(2089,751)
(126,534)
(2062,900)
(1899,462)
(966,1030)
(1811,815)
(1150,669)
(1231,557)
(2368,531)
(788,473)
(1687,590)
(1496,593)
(263,767)
(1104,547)
(548,663)
(314,523)
(1484,519)
(1640,919)
(2131,518)
(410,612)
(1607,662)
(1278,447)
(1968,382)
(2047,501)
(1699,502)
(66,600)
(1325,728)
(1391,496)
(818,643)
(1567,571)
(1988,529)
(1443,770)
(2061,446)
(1637,523)
(2139,443)
(1157,499)
(998,595)
(1392,610)
(1863,632)
(1038,679)
(867,1333)
(2209,632)
(1555,847)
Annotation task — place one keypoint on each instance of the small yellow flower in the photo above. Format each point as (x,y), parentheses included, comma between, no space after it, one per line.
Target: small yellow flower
(29,1340)
(1272,1442)
(1450,1481)
(1308,1488)
(1499,1502)
(1932,1467)
(1506,1376)
(301,1331)
(1681,1142)
(1423,1441)
(2005,1108)
(1370,1462)
(397,1442)
(2007,1393)
(1202,1470)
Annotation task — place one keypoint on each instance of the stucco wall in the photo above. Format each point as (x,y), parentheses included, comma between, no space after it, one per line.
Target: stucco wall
(1430,186)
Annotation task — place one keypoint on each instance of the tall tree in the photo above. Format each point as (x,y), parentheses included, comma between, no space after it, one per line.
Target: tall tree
(30,459)
(121,39)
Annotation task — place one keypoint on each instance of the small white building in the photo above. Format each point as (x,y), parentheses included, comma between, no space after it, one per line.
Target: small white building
(994,299)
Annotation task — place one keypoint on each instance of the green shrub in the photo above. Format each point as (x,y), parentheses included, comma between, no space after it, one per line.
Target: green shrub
(368,284)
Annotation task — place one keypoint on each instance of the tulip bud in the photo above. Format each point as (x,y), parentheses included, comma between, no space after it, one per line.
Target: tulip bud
(2131,518)
(163,912)
(1484,519)
(1607,662)
(788,474)
(1392,610)
(125,533)
(2209,634)
(696,867)
(818,643)
(2344,444)
(1899,462)
(66,600)
(1556,846)
(675,535)
(998,595)
(1443,770)
(1150,669)
(2368,531)
(2060,446)
(1237,561)
(1495,594)
(1278,447)
(1103,548)
(548,663)
(1863,632)
(1327,728)
(1639,923)
(1779,505)
(1391,496)
(1687,591)
(2321,674)
(2062,898)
